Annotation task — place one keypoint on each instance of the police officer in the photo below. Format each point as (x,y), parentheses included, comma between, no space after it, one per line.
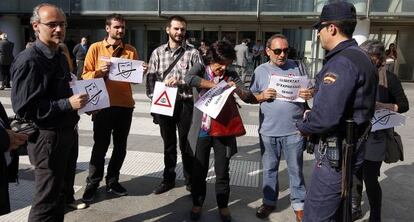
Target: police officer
(345,89)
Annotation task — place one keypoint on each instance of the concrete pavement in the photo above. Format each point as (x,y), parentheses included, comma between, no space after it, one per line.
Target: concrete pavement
(142,172)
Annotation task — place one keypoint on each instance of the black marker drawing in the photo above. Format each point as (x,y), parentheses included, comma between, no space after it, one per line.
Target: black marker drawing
(125,69)
(383,120)
(93,93)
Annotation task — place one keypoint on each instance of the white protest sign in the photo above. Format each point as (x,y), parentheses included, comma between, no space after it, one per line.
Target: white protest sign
(287,87)
(126,70)
(214,99)
(97,93)
(163,99)
(384,119)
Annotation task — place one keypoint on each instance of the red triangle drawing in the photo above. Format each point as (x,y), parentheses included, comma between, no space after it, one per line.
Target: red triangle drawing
(163,100)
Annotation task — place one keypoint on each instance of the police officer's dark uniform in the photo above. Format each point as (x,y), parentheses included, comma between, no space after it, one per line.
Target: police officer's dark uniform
(345,88)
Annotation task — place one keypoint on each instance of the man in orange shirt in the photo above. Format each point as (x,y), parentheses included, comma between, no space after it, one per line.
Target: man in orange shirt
(116,119)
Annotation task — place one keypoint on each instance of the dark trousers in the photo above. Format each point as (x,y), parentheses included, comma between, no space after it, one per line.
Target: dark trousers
(5,74)
(368,174)
(180,120)
(79,68)
(221,169)
(256,61)
(53,154)
(115,121)
(323,197)
(4,186)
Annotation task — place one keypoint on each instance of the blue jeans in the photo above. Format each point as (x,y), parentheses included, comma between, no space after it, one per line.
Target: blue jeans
(292,147)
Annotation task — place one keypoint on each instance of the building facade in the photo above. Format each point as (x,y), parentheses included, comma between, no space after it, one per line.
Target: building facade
(391,21)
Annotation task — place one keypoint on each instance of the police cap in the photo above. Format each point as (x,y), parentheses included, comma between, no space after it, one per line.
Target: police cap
(336,12)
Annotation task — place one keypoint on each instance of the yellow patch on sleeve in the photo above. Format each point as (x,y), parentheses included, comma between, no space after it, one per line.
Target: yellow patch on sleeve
(329,78)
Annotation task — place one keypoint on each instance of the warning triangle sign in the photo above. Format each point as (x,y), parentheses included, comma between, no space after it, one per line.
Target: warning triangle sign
(163,100)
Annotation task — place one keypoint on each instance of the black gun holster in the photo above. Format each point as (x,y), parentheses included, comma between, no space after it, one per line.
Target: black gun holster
(333,149)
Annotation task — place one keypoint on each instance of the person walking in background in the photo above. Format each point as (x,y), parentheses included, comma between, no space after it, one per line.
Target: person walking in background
(391,57)
(170,63)
(391,96)
(203,47)
(258,50)
(277,129)
(6,58)
(242,54)
(219,56)
(114,120)
(79,51)
(42,94)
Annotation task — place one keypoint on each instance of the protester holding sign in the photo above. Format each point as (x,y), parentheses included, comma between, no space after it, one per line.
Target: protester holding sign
(277,124)
(219,56)
(170,63)
(114,120)
(42,95)
(391,96)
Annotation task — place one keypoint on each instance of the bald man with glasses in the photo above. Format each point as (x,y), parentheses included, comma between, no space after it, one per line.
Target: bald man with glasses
(41,94)
(277,129)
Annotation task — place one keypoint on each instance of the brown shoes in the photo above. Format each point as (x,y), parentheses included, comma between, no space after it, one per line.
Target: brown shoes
(299,215)
(264,210)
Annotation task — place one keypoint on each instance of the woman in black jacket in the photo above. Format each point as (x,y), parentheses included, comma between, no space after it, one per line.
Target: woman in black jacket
(9,140)
(218,57)
(391,96)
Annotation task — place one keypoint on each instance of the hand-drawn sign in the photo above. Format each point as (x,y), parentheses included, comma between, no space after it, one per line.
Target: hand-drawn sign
(97,93)
(163,100)
(93,93)
(384,119)
(125,69)
(212,102)
(287,87)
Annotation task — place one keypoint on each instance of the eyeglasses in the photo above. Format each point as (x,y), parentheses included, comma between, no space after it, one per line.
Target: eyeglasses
(279,51)
(54,25)
(322,26)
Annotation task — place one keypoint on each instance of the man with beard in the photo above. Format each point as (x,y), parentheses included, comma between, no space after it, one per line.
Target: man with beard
(170,63)
(116,119)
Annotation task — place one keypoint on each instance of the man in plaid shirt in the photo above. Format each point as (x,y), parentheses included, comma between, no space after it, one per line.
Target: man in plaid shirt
(161,58)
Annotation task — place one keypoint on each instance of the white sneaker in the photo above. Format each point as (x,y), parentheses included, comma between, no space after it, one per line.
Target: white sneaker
(78,205)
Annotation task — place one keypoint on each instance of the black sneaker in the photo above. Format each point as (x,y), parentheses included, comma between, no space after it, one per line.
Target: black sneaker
(264,210)
(164,187)
(116,188)
(90,191)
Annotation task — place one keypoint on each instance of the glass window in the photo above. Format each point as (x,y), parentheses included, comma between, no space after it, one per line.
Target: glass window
(392,6)
(210,36)
(154,40)
(229,36)
(194,37)
(209,5)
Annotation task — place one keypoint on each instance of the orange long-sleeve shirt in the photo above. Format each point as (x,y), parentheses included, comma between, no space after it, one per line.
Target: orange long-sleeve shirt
(120,93)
